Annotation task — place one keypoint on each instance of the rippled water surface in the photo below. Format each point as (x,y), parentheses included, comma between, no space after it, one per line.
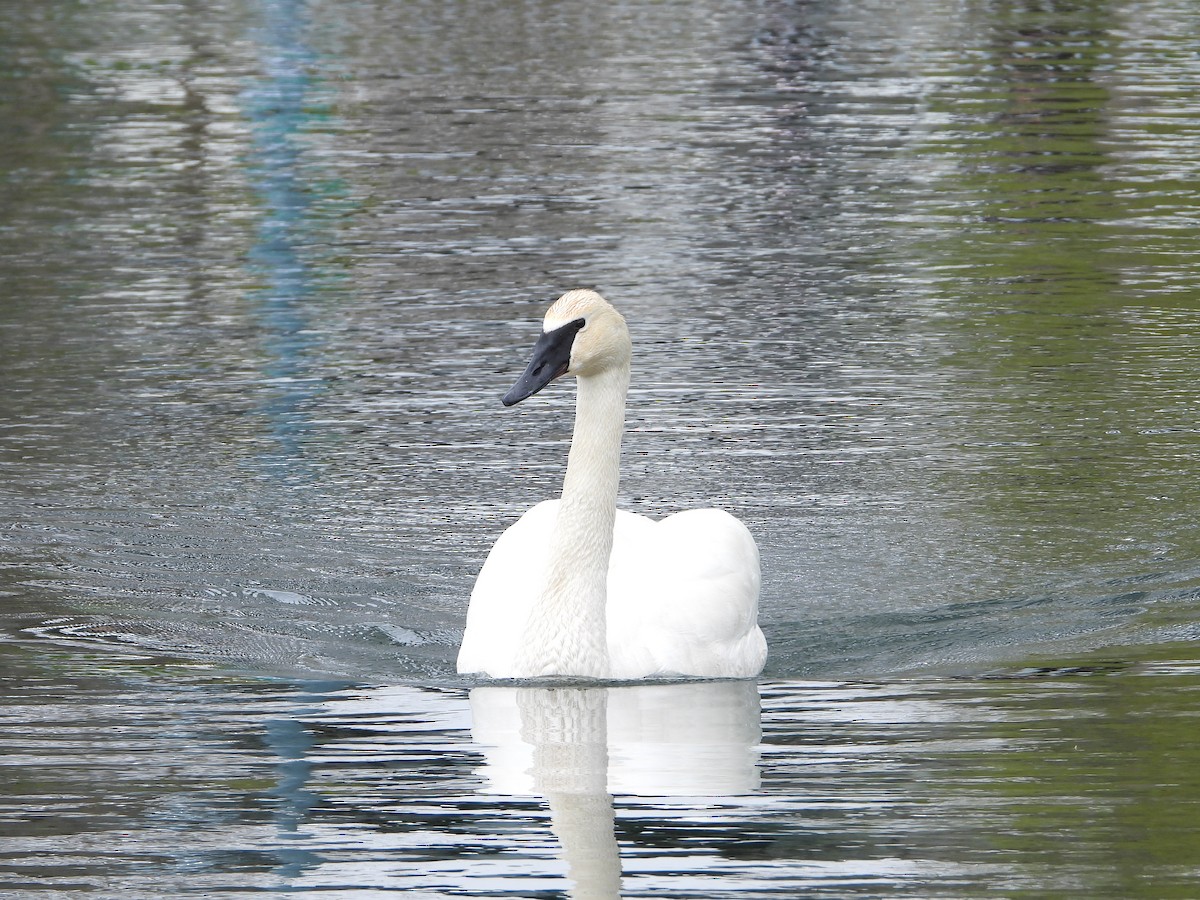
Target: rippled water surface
(913,292)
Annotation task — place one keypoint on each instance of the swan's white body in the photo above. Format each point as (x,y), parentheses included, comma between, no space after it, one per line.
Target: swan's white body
(577,588)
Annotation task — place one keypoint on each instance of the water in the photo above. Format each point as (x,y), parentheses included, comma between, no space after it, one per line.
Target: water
(912,293)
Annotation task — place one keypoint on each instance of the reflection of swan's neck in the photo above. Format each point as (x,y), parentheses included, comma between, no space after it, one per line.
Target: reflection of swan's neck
(565,634)
(569,732)
(583,824)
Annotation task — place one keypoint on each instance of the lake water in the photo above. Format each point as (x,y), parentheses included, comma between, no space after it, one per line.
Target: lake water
(913,292)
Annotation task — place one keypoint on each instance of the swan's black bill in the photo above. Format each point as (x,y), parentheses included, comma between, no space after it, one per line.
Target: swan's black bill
(551,358)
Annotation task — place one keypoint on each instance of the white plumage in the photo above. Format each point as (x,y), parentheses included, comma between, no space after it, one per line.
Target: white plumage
(577,588)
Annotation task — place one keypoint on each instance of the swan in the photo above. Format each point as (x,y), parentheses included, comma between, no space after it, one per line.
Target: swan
(577,588)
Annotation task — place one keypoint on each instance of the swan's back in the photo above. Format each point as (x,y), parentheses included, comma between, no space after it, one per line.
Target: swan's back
(682,596)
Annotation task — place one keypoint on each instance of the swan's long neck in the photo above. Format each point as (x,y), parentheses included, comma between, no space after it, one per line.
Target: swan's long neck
(565,634)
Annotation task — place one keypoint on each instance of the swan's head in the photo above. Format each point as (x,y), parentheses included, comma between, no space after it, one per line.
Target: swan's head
(582,335)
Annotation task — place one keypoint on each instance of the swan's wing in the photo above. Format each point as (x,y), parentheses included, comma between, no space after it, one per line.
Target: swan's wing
(683,599)
(507,586)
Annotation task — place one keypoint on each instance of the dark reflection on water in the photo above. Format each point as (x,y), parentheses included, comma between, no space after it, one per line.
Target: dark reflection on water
(913,292)
(156,779)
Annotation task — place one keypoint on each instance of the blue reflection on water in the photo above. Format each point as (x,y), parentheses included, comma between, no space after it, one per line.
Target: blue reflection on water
(291,742)
(276,106)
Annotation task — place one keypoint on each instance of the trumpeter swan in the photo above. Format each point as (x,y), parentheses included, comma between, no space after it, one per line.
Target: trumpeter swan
(578,588)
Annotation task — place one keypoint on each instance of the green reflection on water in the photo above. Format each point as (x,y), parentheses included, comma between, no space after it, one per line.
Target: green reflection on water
(1095,782)
(1058,270)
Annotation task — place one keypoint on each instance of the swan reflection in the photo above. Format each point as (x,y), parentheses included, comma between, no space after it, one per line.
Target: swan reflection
(578,746)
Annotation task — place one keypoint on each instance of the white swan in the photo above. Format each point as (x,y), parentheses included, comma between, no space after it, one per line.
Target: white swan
(578,588)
